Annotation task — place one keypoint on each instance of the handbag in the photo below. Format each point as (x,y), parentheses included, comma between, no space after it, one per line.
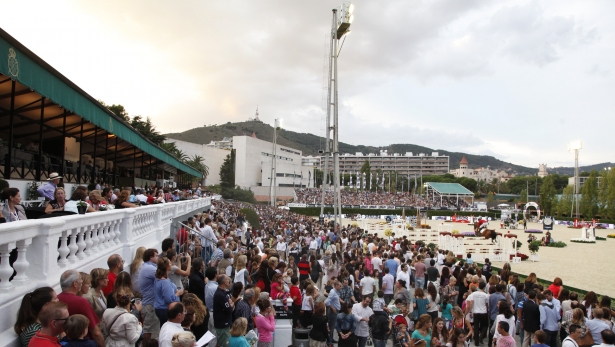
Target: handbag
(587,340)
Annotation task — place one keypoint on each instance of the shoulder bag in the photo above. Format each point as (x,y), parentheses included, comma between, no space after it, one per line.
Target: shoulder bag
(106,331)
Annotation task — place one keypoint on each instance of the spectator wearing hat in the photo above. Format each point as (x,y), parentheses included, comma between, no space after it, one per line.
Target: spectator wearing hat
(48,190)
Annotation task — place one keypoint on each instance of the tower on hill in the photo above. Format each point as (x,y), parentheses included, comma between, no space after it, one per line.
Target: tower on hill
(542,170)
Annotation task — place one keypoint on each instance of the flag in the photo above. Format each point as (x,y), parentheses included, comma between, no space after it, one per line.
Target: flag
(309,178)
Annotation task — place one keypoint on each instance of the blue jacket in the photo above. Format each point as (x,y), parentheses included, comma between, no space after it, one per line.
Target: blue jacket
(548,316)
(165,293)
(147,276)
(345,322)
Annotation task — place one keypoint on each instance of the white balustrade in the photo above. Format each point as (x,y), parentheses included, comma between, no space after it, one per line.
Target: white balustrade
(44,248)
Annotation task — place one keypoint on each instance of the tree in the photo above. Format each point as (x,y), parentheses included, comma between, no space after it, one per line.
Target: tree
(523,197)
(608,202)
(469,183)
(118,110)
(227,171)
(490,197)
(198,163)
(547,196)
(589,196)
(564,205)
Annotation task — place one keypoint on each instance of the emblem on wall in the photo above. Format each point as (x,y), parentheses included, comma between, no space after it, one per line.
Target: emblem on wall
(13,63)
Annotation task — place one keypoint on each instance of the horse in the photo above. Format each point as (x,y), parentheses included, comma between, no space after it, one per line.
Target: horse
(486,233)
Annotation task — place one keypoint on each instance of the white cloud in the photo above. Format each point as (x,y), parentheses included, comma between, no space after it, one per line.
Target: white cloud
(516,78)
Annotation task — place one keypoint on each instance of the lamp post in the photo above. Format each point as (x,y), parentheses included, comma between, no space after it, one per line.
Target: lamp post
(575,146)
(339,27)
(272,180)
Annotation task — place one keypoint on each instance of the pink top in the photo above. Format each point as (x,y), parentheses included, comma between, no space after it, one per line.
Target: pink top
(275,290)
(265,326)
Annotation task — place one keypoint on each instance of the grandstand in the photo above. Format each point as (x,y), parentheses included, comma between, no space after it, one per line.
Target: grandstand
(448,190)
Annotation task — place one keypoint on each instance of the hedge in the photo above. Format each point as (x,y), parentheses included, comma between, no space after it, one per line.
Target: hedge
(252,217)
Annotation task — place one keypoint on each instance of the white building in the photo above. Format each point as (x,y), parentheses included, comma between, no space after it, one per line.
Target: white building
(225,143)
(253,158)
(408,163)
(214,157)
(311,161)
(542,170)
(481,173)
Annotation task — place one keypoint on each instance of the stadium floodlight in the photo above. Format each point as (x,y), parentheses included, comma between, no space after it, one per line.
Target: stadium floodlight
(575,145)
(345,19)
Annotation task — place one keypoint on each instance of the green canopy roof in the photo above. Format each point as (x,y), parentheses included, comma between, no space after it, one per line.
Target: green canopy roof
(22,65)
(449,188)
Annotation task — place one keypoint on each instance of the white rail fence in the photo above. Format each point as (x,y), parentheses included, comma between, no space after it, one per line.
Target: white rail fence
(47,247)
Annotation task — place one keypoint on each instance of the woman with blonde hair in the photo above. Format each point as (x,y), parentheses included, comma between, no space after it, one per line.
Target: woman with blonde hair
(95,296)
(135,268)
(87,283)
(123,327)
(57,204)
(241,273)
(201,318)
(96,200)
(238,330)
(183,339)
(122,200)
(423,330)
(529,282)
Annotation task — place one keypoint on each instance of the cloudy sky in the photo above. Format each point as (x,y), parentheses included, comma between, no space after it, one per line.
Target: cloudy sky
(513,79)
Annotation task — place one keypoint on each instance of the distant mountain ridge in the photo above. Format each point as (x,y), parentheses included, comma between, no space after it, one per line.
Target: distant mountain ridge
(310,144)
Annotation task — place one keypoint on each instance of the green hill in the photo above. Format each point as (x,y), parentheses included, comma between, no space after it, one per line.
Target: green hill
(310,144)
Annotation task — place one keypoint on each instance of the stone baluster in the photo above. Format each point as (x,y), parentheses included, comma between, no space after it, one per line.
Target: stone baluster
(113,233)
(21,264)
(73,245)
(95,241)
(102,236)
(6,271)
(63,250)
(115,226)
(88,241)
(81,242)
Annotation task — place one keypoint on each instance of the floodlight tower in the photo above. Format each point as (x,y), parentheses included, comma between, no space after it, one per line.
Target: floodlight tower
(339,27)
(272,179)
(575,146)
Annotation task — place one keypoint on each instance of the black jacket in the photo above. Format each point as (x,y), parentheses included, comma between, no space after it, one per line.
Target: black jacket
(531,316)
(379,322)
(319,328)
(196,285)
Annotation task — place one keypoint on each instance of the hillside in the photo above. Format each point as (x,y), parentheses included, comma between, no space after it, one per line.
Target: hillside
(310,144)
(562,170)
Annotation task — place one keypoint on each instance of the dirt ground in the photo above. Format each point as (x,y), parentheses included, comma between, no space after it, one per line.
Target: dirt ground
(584,266)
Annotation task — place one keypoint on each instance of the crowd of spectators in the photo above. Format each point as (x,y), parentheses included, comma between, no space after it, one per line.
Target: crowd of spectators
(380,198)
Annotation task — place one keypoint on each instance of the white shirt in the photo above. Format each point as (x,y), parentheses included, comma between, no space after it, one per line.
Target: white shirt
(377,264)
(166,333)
(360,312)
(480,300)
(314,244)
(367,285)
(208,233)
(344,243)
(370,247)
(281,246)
(404,276)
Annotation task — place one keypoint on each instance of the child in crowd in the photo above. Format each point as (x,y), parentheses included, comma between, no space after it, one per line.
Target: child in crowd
(541,338)
(277,290)
(469,260)
(447,308)
(379,302)
(295,294)
(76,329)
(402,335)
